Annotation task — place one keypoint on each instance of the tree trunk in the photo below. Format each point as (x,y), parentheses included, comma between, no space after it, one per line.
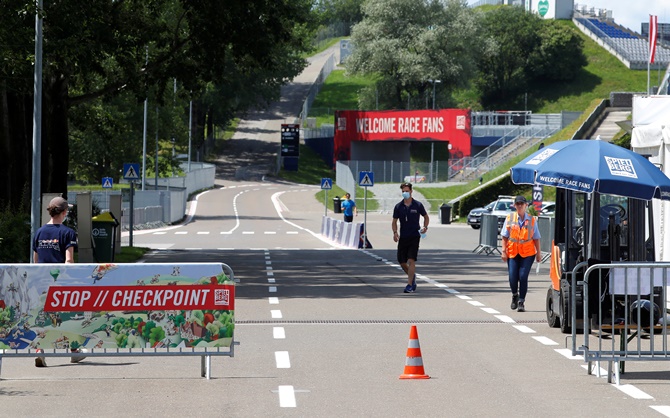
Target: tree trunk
(55,145)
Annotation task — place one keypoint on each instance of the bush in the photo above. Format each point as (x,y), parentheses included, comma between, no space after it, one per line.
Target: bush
(15,244)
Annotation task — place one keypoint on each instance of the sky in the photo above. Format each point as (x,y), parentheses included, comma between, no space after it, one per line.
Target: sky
(630,13)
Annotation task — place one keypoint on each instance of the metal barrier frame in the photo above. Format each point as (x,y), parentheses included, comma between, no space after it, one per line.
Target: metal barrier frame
(488,235)
(623,283)
(204,352)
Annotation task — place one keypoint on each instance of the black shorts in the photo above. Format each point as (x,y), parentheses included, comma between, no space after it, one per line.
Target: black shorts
(408,249)
(348,218)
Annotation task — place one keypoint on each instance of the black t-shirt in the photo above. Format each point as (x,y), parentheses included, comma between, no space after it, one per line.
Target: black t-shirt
(409,217)
(51,241)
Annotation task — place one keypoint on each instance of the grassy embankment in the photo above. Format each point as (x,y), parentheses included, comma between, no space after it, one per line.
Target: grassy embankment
(603,74)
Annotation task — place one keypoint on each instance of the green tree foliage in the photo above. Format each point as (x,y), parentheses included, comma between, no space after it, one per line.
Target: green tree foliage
(334,11)
(407,43)
(524,48)
(103,48)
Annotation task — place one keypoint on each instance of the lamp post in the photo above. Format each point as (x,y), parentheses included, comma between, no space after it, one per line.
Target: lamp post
(432,144)
(434,82)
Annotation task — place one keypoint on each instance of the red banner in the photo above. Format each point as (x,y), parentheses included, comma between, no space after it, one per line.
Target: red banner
(139,298)
(450,125)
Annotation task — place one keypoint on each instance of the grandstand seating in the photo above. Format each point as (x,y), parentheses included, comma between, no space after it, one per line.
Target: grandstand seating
(629,46)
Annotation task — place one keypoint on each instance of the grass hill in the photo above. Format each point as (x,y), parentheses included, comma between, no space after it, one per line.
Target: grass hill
(603,74)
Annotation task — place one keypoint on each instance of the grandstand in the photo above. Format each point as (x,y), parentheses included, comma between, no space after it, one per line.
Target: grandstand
(629,47)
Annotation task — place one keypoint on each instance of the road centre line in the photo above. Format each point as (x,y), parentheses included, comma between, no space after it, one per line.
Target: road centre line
(272,289)
(282,359)
(490,311)
(475,303)
(278,333)
(525,329)
(633,392)
(276,314)
(273,300)
(567,353)
(545,340)
(286,397)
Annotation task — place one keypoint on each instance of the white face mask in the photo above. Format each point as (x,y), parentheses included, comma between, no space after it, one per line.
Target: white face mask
(405,195)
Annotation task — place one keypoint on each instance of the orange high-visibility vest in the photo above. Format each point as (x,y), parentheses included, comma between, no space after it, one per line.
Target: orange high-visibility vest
(520,240)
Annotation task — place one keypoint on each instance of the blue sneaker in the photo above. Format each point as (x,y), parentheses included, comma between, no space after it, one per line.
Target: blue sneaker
(414,284)
(408,289)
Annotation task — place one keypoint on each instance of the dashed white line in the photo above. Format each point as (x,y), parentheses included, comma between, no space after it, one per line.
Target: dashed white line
(545,340)
(282,359)
(160,233)
(272,289)
(247,232)
(273,300)
(271,280)
(567,353)
(475,303)
(270,273)
(270,232)
(268,263)
(506,319)
(490,311)
(662,409)
(292,232)
(276,314)
(278,333)
(524,329)
(203,232)
(286,397)
(633,392)
(181,233)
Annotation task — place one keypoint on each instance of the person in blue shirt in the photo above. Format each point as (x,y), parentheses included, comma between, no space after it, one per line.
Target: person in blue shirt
(349,208)
(55,243)
(408,212)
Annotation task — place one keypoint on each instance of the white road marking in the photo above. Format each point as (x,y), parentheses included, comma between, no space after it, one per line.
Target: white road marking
(524,329)
(203,232)
(292,232)
(226,232)
(276,314)
(181,233)
(506,319)
(441,285)
(603,372)
(452,291)
(463,297)
(225,249)
(273,300)
(282,360)
(270,232)
(545,340)
(567,353)
(247,232)
(160,233)
(633,392)
(475,303)
(267,263)
(279,206)
(286,397)
(278,333)
(270,280)
(490,311)
(662,409)
(273,289)
(193,248)
(269,273)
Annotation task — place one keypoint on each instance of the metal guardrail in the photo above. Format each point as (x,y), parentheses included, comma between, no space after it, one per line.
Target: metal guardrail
(488,236)
(545,225)
(624,304)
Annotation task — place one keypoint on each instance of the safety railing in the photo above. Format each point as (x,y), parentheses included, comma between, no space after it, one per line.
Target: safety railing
(624,315)
(488,236)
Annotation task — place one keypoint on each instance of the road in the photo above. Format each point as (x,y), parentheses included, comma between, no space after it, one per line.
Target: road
(323,331)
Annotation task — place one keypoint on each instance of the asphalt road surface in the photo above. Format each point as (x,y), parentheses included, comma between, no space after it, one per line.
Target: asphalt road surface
(323,331)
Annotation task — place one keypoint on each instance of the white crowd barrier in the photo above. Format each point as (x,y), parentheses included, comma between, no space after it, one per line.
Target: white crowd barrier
(347,234)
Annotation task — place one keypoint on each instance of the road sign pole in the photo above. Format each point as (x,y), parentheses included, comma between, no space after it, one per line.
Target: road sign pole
(130,233)
(365,219)
(325,204)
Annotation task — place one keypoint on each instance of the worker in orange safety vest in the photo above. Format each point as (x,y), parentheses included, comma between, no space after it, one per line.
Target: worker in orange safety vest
(520,246)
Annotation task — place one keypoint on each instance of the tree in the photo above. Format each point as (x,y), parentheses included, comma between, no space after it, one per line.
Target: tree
(407,43)
(101,48)
(525,49)
(515,36)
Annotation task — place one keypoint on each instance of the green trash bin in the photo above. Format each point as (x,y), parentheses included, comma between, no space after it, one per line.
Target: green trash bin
(103,232)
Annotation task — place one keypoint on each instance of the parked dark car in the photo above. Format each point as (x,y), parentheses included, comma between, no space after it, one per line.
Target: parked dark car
(500,208)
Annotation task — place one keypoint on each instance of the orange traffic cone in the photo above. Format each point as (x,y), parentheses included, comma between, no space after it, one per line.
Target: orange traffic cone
(414,363)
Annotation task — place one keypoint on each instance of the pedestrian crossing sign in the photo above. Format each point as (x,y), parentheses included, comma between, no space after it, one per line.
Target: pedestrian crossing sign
(107,182)
(326,183)
(131,171)
(366,178)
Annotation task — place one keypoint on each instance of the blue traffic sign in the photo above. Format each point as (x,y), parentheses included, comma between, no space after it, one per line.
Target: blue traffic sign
(326,183)
(366,178)
(131,171)
(107,182)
